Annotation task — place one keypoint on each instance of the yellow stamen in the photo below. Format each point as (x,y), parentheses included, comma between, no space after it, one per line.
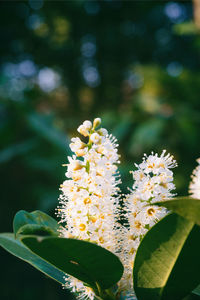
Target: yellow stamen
(138,225)
(82,227)
(101,240)
(151,211)
(87,200)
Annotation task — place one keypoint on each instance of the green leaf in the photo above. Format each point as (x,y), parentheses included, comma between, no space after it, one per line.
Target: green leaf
(197,290)
(186,207)
(35,222)
(86,261)
(15,247)
(167,263)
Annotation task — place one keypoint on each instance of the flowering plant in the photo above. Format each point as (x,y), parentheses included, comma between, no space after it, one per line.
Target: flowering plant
(108,246)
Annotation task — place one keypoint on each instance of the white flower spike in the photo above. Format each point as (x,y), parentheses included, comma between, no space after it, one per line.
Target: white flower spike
(88,207)
(153,181)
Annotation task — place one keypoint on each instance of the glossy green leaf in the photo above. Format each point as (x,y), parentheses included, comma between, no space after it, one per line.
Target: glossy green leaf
(167,263)
(186,207)
(15,247)
(35,222)
(86,261)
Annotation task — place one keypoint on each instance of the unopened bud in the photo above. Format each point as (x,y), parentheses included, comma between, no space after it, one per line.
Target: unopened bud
(87,124)
(83,130)
(95,137)
(96,122)
(102,131)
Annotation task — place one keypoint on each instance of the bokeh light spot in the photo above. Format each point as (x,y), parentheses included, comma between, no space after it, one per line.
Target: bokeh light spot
(34,21)
(91,76)
(27,68)
(48,80)
(175,12)
(88,49)
(174,69)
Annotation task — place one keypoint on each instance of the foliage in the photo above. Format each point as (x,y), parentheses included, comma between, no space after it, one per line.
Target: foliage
(83,260)
(186,207)
(54,256)
(17,248)
(166,265)
(167,262)
(36,222)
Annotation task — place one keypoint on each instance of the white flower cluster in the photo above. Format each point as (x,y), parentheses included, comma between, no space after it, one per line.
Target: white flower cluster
(194,187)
(153,181)
(88,205)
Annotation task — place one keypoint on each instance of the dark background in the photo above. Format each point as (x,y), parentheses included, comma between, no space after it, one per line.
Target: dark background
(135,64)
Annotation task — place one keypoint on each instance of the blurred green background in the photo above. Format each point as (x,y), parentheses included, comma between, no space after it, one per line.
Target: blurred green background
(135,64)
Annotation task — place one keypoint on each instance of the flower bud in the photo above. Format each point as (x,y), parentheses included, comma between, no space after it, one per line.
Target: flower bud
(95,138)
(76,144)
(96,122)
(87,124)
(83,130)
(102,131)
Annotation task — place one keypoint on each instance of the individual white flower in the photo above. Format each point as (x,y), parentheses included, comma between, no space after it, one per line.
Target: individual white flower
(85,128)
(74,165)
(78,146)
(194,187)
(88,205)
(153,182)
